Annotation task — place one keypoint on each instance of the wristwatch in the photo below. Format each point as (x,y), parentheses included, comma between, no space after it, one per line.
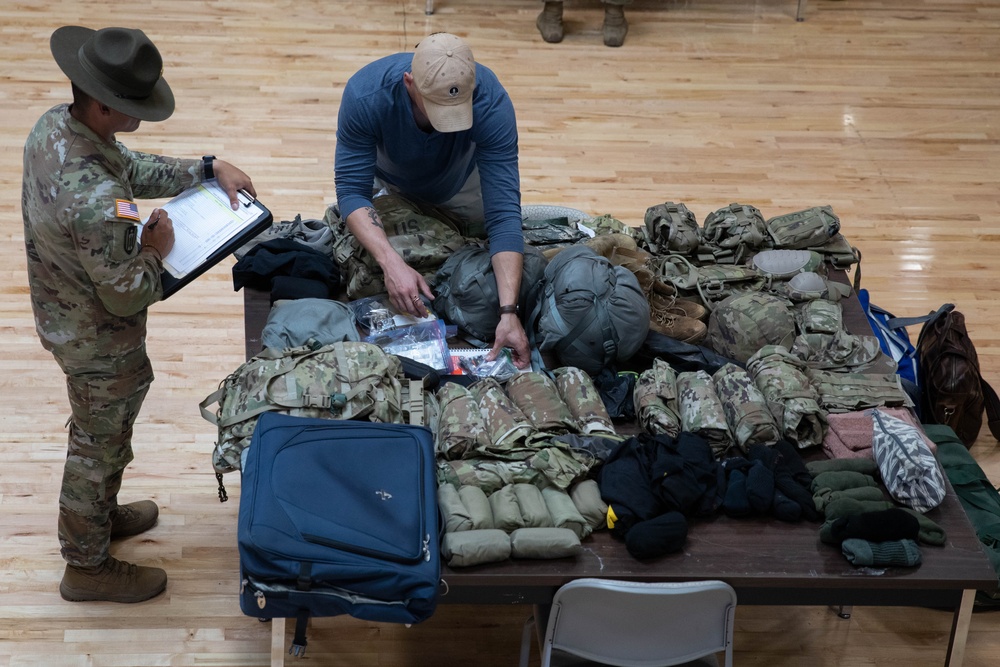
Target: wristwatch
(207,163)
(510,310)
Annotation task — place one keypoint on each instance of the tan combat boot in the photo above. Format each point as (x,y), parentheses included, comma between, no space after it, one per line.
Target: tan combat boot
(631,259)
(684,329)
(133,518)
(550,22)
(662,297)
(615,26)
(112,581)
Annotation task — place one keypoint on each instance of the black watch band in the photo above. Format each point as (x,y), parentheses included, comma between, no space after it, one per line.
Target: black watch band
(207,162)
(509,310)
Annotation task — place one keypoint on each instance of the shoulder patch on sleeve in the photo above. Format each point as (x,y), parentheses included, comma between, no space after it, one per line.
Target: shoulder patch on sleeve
(127,209)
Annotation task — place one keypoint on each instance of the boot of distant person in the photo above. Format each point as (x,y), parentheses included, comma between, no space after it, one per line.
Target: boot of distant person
(615,26)
(550,22)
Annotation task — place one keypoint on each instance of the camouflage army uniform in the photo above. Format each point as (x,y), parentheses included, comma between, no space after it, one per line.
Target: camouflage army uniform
(90,287)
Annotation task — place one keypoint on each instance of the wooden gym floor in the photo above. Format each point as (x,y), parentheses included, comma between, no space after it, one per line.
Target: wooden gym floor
(888,110)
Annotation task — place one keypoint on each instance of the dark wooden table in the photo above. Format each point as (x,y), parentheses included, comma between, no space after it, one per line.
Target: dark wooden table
(767,561)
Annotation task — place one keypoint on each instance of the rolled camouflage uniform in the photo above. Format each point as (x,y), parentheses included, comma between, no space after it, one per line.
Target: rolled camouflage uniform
(90,287)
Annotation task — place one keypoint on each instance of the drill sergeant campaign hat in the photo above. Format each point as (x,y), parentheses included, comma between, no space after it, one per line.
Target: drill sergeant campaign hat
(118,67)
(444,72)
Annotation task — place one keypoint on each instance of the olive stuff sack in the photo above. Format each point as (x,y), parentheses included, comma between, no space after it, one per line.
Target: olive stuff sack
(465,289)
(952,387)
(343,380)
(591,313)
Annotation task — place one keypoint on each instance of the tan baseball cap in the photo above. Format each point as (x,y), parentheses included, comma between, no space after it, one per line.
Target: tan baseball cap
(444,72)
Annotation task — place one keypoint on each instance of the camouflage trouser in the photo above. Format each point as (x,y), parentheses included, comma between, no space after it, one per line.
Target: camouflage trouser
(104,407)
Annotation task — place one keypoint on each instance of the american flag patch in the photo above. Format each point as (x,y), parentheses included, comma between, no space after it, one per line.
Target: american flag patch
(126,209)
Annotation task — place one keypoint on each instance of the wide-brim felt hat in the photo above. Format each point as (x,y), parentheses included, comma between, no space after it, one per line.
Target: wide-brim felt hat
(118,67)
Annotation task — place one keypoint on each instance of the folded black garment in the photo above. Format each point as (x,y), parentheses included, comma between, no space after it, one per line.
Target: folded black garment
(294,268)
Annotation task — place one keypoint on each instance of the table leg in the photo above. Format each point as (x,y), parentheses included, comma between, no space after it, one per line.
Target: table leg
(799,10)
(278,642)
(960,630)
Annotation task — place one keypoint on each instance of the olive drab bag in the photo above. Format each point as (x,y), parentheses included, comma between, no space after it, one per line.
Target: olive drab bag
(803,229)
(953,390)
(423,236)
(670,227)
(344,380)
(735,230)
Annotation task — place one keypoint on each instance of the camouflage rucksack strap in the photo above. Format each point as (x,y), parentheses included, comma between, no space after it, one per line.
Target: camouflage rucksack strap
(216,396)
(413,401)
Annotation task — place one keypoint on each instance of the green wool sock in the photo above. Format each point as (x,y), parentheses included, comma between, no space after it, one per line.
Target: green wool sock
(866,466)
(838,480)
(899,553)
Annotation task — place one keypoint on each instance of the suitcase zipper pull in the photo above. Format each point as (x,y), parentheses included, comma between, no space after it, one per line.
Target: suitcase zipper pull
(261,600)
(427,547)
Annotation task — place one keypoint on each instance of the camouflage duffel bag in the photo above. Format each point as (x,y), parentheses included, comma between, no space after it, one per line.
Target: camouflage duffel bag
(343,380)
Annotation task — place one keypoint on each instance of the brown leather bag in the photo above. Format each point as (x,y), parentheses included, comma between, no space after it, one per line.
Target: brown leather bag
(952,387)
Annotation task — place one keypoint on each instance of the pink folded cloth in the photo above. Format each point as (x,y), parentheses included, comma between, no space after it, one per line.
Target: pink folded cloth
(849,434)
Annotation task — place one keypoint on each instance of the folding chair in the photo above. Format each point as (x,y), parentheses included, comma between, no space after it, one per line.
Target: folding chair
(631,624)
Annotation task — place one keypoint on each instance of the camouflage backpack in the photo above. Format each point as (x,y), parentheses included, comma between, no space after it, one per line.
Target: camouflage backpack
(345,380)
(424,236)
(803,229)
(671,227)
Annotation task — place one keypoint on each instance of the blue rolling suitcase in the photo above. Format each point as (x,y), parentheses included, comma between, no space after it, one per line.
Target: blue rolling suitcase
(338,517)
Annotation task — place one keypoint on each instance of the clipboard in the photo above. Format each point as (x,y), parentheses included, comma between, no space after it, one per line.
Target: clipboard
(207,230)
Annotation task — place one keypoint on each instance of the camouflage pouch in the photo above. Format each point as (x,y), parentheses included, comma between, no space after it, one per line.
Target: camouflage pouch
(701,411)
(850,392)
(734,231)
(507,429)
(792,399)
(423,236)
(747,415)
(345,380)
(578,391)
(538,398)
(671,228)
(608,224)
(655,398)
(803,229)
(460,431)
(838,252)
(820,316)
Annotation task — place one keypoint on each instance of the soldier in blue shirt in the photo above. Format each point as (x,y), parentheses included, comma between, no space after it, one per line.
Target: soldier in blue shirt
(436,127)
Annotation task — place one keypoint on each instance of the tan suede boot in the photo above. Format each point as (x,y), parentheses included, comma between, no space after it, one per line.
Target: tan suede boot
(615,26)
(684,329)
(133,518)
(112,581)
(550,22)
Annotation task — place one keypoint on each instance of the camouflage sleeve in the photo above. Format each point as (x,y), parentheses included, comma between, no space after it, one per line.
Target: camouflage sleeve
(156,176)
(126,281)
